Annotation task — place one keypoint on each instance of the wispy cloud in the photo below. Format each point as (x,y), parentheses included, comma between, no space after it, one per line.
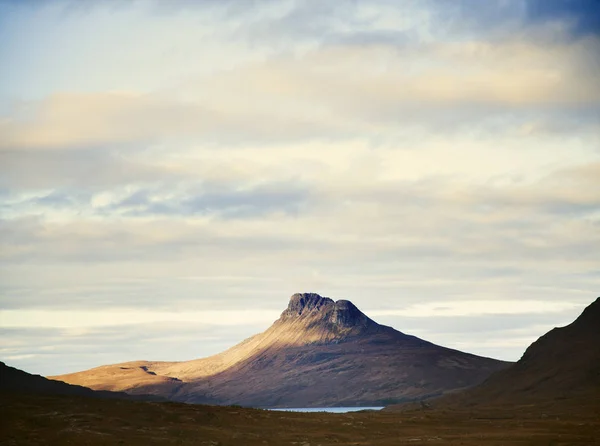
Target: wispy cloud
(478,307)
(83,320)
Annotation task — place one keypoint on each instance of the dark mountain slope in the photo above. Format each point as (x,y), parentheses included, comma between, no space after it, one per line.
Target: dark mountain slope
(559,373)
(564,363)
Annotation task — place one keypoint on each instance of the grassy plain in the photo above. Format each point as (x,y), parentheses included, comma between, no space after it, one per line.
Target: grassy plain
(65,420)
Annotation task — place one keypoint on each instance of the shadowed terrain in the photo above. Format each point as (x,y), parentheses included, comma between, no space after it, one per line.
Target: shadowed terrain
(53,420)
(318,353)
(562,365)
(17,381)
(559,372)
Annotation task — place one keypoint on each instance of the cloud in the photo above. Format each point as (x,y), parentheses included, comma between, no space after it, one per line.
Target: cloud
(219,156)
(573,19)
(582,16)
(69,319)
(324,94)
(352,239)
(245,203)
(107,119)
(478,307)
(75,120)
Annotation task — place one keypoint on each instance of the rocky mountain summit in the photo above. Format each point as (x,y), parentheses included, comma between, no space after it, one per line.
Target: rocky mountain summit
(320,352)
(312,319)
(338,316)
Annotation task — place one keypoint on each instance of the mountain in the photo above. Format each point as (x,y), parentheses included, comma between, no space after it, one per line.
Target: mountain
(561,367)
(13,380)
(318,353)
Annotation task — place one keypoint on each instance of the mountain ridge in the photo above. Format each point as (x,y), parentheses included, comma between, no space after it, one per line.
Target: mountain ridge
(320,352)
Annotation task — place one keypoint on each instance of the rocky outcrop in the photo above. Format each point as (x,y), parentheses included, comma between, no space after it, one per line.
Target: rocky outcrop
(346,314)
(302,304)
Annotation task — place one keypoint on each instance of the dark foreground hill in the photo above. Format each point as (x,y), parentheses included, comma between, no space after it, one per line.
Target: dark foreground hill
(558,372)
(318,353)
(16,381)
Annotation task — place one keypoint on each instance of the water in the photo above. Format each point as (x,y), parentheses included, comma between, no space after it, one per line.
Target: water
(328,409)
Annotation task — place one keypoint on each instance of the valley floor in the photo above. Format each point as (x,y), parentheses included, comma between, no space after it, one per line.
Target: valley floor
(55,420)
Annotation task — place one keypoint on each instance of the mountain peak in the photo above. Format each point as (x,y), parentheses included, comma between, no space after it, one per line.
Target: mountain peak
(302,303)
(332,315)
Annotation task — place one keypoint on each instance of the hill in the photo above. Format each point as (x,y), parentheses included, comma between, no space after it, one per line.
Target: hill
(558,373)
(318,353)
(16,381)
(562,365)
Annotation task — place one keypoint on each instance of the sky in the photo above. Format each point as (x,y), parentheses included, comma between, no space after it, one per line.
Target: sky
(171,172)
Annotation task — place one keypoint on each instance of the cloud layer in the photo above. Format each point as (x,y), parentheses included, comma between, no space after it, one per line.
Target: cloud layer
(436,162)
